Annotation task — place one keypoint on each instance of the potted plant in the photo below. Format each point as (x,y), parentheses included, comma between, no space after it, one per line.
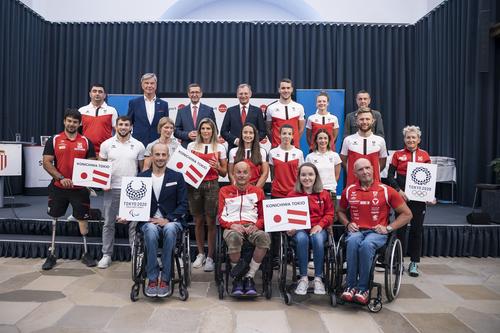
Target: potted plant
(495,164)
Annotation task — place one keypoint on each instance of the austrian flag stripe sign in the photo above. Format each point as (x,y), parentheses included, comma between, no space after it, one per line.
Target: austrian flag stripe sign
(193,168)
(286,214)
(91,173)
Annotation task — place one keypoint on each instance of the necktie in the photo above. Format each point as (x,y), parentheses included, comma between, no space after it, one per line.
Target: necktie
(243,114)
(195,115)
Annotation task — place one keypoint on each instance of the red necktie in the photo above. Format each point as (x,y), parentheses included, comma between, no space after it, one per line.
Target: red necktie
(243,115)
(195,115)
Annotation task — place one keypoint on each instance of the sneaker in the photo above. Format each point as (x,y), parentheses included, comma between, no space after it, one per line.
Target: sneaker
(240,269)
(348,294)
(152,289)
(361,297)
(163,289)
(237,288)
(209,265)
(199,261)
(49,263)
(105,261)
(413,269)
(319,286)
(88,261)
(249,286)
(302,286)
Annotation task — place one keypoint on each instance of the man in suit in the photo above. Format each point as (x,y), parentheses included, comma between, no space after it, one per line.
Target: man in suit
(236,116)
(363,100)
(168,206)
(146,111)
(189,117)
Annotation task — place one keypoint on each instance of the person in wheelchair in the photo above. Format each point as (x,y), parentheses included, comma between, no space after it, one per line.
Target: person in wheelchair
(369,203)
(321,213)
(241,217)
(168,206)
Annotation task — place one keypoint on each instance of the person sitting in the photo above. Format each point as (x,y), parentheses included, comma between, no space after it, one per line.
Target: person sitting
(321,213)
(241,217)
(369,203)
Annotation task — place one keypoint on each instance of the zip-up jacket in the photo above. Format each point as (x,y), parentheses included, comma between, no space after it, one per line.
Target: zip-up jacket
(242,207)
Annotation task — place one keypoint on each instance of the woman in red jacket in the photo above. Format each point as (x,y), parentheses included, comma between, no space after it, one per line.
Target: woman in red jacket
(321,214)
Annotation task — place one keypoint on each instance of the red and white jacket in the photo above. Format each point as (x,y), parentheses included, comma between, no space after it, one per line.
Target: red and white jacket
(321,209)
(242,207)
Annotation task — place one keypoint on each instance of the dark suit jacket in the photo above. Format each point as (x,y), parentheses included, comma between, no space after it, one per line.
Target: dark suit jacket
(231,126)
(184,121)
(350,126)
(173,202)
(143,130)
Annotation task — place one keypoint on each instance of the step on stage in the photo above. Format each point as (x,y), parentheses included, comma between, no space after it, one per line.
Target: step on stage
(25,231)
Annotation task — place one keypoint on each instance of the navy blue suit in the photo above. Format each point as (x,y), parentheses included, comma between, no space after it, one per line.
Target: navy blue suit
(232,126)
(143,130)
(184,121)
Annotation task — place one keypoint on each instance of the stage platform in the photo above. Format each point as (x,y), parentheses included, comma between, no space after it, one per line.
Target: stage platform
(25,231)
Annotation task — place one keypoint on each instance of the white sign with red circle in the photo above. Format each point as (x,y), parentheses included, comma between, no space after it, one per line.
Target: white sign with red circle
(286,214)
(92,173)
(193,168)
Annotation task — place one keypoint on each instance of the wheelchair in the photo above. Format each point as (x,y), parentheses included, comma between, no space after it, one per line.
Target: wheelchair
(389,257)
(223,267)
(288,257)
(181,252)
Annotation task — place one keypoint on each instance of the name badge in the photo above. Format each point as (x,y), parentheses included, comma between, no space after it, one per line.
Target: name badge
(170,184)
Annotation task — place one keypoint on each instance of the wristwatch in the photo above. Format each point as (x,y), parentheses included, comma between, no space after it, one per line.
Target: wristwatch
(389,228)
(61,177)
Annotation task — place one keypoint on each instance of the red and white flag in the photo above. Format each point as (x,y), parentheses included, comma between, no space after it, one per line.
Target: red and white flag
(286,214)
(193,168)
(92,173)
(3,160)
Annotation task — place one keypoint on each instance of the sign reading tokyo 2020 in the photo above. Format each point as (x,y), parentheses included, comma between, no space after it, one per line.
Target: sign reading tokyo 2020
(421,181)
(135,198)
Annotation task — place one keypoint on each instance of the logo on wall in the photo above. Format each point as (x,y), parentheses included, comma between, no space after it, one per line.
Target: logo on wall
(3,160)
(222,108)
(136,190)
(421,176)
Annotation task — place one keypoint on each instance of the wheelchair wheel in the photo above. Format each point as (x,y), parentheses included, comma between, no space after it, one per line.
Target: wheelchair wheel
(134,292)
(375,305)
(183,292)
(333,300)
(221,289)
(219,256)
(186,258)
(268,289)
(339,266)
(283,267)
(394,269)
(287,298)
(137,259)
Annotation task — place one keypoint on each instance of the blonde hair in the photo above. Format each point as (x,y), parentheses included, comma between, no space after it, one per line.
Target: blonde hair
(213,138)
(163,121)
(410,129)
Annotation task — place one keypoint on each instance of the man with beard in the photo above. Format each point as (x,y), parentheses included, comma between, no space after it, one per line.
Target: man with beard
(58,157)
(363,100)
(127,155)
(363,144)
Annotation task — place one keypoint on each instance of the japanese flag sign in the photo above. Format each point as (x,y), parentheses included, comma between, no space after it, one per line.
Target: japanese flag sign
(193,168)
(286,214)
(421,181)
(135,198)
(91,173)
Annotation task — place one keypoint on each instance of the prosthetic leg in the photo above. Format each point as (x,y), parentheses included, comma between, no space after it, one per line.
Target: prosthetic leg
(87,259)
(50,262)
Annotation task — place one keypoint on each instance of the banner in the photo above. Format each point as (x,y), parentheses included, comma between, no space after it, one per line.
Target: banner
(193,168)
(35,175)
(91,173)
(286,214)
(135,198)
(421,181)
(10,159)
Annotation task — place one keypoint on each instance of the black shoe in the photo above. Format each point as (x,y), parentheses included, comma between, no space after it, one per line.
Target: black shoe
(240,269)
(249,286)
(88,261)
(237,288)
(49,263)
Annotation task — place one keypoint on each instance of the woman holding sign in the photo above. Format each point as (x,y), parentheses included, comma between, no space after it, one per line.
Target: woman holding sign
(203,200)
(321,214)
(398,167)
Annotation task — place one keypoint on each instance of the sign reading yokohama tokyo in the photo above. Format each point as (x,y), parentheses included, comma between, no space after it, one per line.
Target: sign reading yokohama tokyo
(421,181)
(135,198)
(193,168)
(91,173)
(286,214)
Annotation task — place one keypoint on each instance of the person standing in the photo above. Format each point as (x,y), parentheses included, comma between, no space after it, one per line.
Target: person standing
(166,128)
(363,101)
(322,119)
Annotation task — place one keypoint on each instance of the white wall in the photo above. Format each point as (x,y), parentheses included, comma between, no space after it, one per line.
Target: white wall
(363,11)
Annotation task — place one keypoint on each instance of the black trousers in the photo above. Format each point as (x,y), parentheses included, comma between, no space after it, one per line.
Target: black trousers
(416,230)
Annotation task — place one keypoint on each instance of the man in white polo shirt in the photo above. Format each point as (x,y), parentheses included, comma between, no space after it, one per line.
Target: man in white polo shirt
(127,155)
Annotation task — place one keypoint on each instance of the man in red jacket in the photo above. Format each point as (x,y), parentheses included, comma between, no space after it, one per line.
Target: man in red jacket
(241,217)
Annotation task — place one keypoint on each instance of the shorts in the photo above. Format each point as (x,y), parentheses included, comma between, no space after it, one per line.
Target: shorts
(234,240)
(204,200)
(60,198)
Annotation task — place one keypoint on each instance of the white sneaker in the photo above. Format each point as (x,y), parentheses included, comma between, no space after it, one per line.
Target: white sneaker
(199,261)
(105,261)
(302,286)
(319,286)
(209,265)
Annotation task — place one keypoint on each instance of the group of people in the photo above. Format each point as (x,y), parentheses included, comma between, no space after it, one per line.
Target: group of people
(144,140)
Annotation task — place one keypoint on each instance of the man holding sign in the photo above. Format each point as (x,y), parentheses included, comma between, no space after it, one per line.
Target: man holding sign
(59,155)
(127,156)
(240,215)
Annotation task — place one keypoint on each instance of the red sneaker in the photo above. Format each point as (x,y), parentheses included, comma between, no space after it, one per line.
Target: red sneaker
(361,297)
(348,294)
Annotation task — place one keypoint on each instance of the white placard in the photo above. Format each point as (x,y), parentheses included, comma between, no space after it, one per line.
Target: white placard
(286,214)
(91,173)
(10,159)
(193,168)
(35,175)
(421,181)
(135,198)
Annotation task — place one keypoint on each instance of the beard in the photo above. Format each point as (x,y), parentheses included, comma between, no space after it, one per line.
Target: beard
(122,135)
